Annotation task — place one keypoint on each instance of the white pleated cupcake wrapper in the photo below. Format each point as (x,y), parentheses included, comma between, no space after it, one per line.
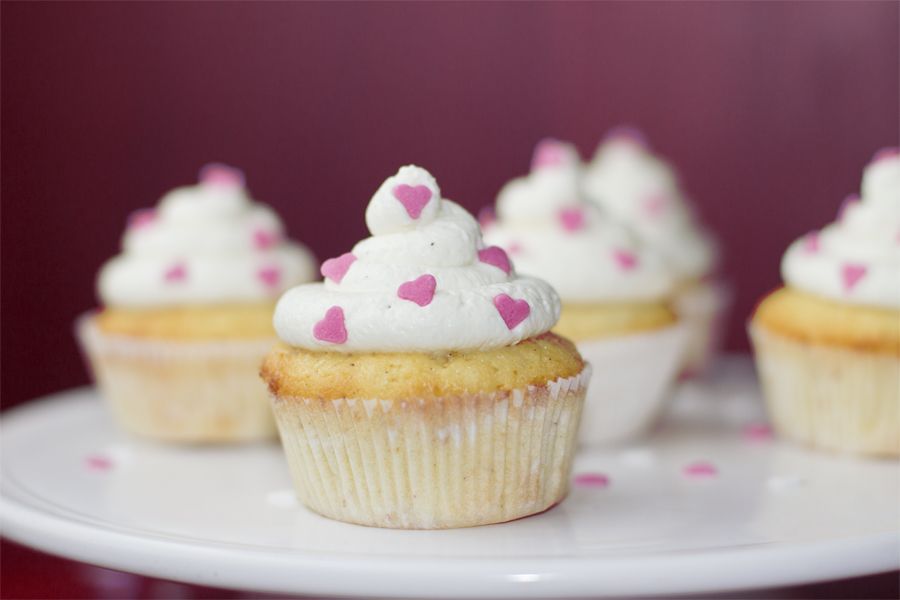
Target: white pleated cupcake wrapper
(632,377)
(830,397)
(433,463)
(181,391)
(705,309)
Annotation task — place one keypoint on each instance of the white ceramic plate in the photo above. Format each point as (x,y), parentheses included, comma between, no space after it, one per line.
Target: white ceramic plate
(771,514)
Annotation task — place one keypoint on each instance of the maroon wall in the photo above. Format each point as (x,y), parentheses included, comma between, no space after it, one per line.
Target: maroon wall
(770,110)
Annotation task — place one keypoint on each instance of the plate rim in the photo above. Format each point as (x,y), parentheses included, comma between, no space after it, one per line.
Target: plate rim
(303,571)
(264,570)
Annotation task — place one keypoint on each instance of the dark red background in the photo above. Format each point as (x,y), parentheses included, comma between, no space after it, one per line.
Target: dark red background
(770,110)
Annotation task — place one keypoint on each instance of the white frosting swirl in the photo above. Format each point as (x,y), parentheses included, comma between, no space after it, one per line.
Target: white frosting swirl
(857,258)
(553,233)
(423,282)
(638,188)
(204,244)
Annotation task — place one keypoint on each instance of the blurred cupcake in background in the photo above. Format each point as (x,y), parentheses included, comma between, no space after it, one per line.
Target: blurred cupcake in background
(616,291)
(636,187)
(827,344)
(186,313)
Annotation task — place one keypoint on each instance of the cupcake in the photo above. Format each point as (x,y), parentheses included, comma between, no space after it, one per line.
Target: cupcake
(616,291)
(419,387)
(827,344)
(641,190)
(186,315)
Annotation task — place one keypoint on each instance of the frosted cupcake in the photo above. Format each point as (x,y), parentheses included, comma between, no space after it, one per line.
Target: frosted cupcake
(418,386)
(828,342)
(641,190)
(616,292)
(187,310)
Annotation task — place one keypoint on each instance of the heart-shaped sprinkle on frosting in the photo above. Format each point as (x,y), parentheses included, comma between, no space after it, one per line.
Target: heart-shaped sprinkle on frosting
(549,153)
(222,175)
(571,219)
(264,239)
(142,218)
(884,153)
(420,290)
(335,268)
(270,276)
(627,133)
(811,242)
(495,256)
(176,273)
(851,274)
(511,311)
(413,198)
(626,260)
(331,328)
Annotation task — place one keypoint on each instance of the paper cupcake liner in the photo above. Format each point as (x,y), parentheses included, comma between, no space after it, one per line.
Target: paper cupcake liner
(181,391)
(632,375)
(830,397)
(705,308)
(433,463)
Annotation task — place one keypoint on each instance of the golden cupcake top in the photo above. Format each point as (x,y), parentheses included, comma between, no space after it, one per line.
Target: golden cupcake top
(299,373)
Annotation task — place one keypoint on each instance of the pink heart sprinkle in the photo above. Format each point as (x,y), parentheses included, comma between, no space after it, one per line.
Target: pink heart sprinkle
(331,328)
(219,174)
(627,133)
(592,480)
(851,274)
(335,268)
(514,248)
(420,290)
(141,218)
(548,153)
(413,198)
(885,153)
(487,216)
(849,201)
(811,242)
(270,276)
(263,239)
(626,260)
(571,219)
(700,470)
(511,311)
(757,432)
(496,257)
(656,205)
(96,462)
(176,273)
